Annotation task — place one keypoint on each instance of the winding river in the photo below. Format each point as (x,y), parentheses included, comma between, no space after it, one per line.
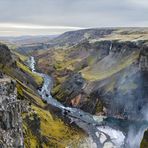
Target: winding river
(103,132)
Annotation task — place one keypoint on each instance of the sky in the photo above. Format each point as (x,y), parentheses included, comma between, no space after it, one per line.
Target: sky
(47,17)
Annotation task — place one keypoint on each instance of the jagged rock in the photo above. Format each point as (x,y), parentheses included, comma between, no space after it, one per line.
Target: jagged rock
(5,55)
(1,75)
(11,134)
(143,59)
(70,88)
(123,47)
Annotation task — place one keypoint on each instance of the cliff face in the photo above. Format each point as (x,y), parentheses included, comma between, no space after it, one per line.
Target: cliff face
(11,134)
(5,52)
(70,88)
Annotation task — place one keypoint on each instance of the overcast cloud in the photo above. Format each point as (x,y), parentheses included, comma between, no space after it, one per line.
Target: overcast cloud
(22,17)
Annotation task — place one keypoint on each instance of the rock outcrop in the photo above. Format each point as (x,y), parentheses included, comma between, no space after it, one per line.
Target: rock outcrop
(143,59)
(11,134)
(70,88)
(5,55)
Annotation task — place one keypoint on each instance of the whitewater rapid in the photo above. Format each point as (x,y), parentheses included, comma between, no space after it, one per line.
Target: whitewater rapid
(100,135)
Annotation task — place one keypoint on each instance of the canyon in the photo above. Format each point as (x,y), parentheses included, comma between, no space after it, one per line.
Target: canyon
(95,80)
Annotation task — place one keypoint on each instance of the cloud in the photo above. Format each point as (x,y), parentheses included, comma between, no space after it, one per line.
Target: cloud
(75,13)
(25,29)
(139,3)
(29,26)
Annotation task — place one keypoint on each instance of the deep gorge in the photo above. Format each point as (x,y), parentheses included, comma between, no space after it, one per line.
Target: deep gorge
(94,89)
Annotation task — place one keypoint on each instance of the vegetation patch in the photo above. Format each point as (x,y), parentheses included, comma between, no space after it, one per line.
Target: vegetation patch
(52,132)
(94,73)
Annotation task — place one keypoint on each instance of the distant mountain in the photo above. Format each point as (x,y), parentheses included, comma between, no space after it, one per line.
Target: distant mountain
(66,39)
(25,44)
(22,40)
(74,37)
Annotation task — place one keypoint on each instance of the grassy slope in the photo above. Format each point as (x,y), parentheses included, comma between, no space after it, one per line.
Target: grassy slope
(57,133)
(97,73)
(51,128)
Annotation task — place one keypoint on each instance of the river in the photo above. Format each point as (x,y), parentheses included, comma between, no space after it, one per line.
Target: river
(104,132)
